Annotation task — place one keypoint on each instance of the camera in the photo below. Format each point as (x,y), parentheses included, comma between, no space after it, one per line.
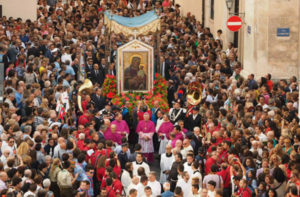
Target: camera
(145,108)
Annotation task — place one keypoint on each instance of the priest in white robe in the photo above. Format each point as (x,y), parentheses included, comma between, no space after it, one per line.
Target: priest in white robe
(166,162)
(140,163)
(185,184)
(154,184)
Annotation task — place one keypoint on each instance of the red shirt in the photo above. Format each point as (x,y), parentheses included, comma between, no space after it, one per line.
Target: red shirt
(107,151)
(244,192)
(110,191)
(223,157)
(166,3)
(94,157)
(225,174)
(209,162)
(288,171)
(100,173)
(117,185)
(84,104)
(83,119)
(270,84)
(117,169)
(213,144)
(141,114)
(80,144)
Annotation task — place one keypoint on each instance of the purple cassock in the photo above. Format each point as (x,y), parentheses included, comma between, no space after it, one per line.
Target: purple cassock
(165,128)
(108,135)
(121,131)
(146,129)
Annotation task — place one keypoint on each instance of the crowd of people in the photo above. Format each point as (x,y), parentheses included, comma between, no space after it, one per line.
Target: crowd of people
(242,139)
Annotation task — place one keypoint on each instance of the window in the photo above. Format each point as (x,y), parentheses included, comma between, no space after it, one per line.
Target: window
(212,13)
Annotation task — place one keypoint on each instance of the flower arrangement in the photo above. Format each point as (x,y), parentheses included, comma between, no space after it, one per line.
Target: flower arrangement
(159,93)
(160,86)
(109,88)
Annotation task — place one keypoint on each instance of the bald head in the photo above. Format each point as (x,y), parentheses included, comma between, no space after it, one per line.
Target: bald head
(135,180)
(166,186)
(3,176)
(27,173)
(61,140)
(63,146)
(186,143)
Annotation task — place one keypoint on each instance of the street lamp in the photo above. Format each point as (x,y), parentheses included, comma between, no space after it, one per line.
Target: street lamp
(229,4)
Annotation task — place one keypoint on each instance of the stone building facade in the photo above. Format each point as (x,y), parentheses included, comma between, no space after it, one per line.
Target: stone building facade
(268,42)
(24,9)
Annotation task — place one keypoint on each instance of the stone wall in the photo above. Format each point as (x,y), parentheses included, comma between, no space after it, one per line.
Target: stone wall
(25,9)
(264,51)
(192,6)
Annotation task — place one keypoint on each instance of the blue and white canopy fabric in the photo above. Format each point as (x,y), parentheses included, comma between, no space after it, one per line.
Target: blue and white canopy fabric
(140,25)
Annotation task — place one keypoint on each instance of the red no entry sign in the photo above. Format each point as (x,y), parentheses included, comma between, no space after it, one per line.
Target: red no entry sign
(234,23)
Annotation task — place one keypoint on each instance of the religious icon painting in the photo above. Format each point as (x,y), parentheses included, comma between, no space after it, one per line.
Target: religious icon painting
(135,67)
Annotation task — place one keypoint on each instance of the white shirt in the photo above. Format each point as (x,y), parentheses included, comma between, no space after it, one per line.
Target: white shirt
(262,137)
(188,168)
(140,190)
(165,164)
(66,57)
(3,159)
(29,193)
(155,187)
(259,151)
(185,186)
(211,193)
(126,180)
(136,167)
(58,152)
(211,99)
(10,148)
(158,124)
(131,186)
(184,151)
(198,175)
(2,185)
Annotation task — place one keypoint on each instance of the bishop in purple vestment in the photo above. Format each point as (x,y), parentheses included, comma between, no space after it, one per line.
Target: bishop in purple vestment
(145,129)
(163,132)
(109,135)
(122,129)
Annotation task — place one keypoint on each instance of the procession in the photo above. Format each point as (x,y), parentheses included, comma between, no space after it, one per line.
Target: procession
(138,98)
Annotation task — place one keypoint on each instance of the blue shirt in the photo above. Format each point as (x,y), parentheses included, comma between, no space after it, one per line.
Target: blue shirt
(18,97)
(66,83)
(125,111)
(91,189)
(70,70)
(153,115)
(81,172)
(20,71)
(57,67)
(24,39)
(167,194)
